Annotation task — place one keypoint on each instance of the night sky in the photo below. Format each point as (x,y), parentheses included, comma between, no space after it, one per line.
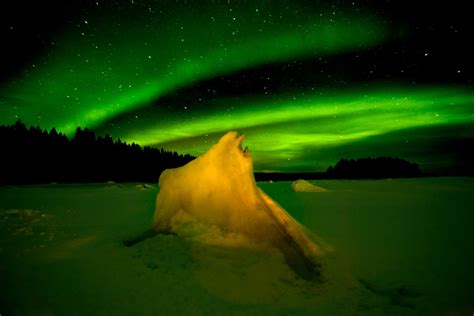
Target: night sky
(308,82)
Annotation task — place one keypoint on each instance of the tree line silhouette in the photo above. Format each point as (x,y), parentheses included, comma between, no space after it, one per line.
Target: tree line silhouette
(373,168)
(33,155)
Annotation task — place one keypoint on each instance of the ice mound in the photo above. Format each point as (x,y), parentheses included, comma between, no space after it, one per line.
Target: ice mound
(144,186)
(306,186)
(215,199)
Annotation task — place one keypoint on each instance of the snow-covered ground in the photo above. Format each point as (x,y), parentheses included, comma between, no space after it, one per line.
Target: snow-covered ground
(401,247)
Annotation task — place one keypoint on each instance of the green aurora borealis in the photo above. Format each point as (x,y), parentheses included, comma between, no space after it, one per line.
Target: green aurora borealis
(109,70)
(315,126)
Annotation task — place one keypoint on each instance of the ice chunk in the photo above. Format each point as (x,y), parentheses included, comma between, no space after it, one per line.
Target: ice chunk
(143,186)
(217,191)
(306,186)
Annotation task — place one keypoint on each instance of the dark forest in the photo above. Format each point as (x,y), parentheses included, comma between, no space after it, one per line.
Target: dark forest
(33,155)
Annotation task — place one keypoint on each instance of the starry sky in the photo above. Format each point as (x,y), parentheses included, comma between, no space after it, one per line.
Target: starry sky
(308,82)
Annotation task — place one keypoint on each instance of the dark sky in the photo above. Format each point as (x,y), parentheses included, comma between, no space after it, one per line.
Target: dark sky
(308,82)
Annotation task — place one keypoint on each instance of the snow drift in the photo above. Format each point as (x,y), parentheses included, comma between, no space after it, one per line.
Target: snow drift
(306,186)
(217,192)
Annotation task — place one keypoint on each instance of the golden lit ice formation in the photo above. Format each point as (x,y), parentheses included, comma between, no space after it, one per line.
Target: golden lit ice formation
(217,191)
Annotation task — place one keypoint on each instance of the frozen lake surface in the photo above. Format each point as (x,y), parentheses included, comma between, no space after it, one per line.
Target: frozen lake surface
(402,247)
